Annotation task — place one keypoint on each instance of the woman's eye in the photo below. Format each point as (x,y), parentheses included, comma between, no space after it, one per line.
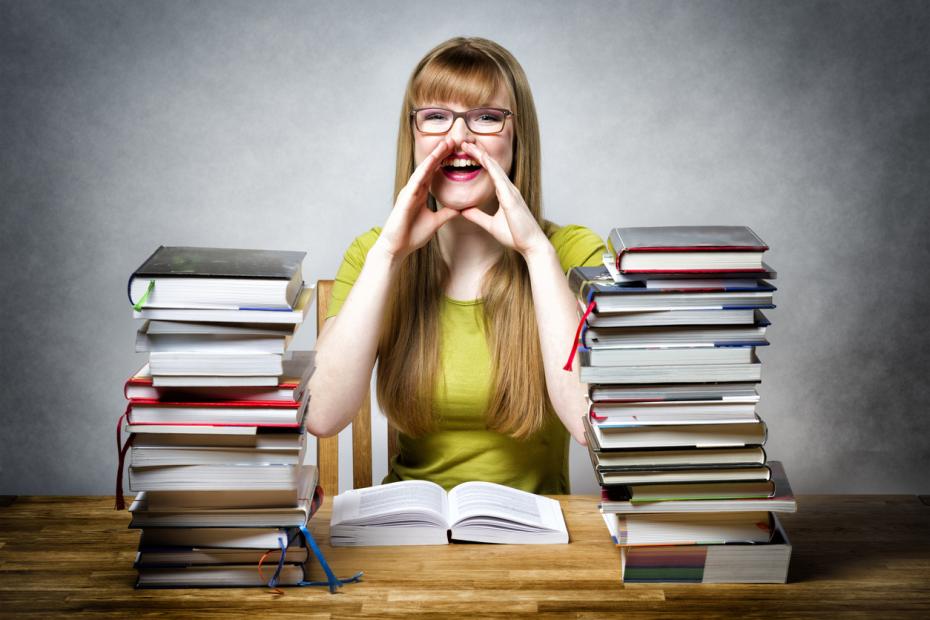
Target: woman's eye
(489,117)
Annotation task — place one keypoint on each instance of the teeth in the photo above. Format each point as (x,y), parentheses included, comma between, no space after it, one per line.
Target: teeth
(459,163)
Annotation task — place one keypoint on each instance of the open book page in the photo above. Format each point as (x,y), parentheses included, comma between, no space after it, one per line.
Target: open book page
(495,505)
(400,503)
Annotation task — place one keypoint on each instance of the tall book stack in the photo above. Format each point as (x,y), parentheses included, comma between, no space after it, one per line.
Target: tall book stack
(215,438)
(668,348)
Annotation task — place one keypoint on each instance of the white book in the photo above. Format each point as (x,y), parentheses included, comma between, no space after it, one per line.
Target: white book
(687,336)
(221,437)
(213,381)
(218,576)
(234,364)
(635,302)
(677,373)
(418,512)
(280,316)
(215,413)
(675,407)
(215,478)
(169,337)
(679,476)
(661,356)
(163,456)
(702,435)
(624,460)
(723,392)
(219,537)
(687,528)
(181,557)
(672,317)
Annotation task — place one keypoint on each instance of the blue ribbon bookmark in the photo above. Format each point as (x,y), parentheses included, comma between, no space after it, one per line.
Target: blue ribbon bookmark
(332,581)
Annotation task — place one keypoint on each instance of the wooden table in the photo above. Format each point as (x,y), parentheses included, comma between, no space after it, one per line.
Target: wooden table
(853,556)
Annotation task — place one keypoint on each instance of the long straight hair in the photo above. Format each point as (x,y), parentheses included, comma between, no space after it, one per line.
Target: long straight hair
(470,71)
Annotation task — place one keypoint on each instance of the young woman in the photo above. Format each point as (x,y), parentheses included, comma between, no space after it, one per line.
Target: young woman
(461,296)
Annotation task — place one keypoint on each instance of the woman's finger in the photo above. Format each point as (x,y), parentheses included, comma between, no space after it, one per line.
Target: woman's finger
(488,163)
(479,217)
(424,172)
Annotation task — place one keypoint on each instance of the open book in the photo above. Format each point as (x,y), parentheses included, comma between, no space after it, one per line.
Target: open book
(418,512)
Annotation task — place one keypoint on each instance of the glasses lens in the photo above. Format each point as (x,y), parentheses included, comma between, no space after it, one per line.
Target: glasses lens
(434,120)
(485,120)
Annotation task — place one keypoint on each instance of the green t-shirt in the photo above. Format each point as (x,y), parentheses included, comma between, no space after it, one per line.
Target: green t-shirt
(462,449)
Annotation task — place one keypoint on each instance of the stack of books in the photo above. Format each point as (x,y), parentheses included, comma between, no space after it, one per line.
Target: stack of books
(668,346)
(215,440)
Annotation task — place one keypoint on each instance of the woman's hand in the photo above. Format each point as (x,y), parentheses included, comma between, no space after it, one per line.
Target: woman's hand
(513,225)
(411,224)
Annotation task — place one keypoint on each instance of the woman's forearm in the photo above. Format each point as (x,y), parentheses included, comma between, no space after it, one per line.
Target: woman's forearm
(346,350)
(557,318)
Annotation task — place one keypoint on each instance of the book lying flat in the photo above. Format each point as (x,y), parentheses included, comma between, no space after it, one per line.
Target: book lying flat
(290,316)
(690,529)
(680,277)
(596,283)
(643,477)
(167,501)
(417,512)
(170,336)
(144,515)
(708,435)
(203,438)
(670,373)
(217,277)
(781,500)
(646,318)
(701,249)
(181,557)
(244,413)
(678,336)
(217,537)
(603,412)
(216,478)
(229,364)
(692,458)
(709,563)
(163,456)
(662,356)
(219,576)
(694,491)
(724,392)
(298,367)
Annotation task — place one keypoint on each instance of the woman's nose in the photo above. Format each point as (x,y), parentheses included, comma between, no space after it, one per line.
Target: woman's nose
(460,132)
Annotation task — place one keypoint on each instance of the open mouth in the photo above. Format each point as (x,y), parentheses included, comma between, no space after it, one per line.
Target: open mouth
(458,168)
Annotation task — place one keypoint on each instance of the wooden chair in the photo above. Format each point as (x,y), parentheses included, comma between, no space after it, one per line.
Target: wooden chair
(327,459)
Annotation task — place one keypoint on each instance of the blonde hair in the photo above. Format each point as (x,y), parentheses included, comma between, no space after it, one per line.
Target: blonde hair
(469,71)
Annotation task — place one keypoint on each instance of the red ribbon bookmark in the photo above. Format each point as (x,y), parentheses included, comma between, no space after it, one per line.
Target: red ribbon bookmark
(584,317)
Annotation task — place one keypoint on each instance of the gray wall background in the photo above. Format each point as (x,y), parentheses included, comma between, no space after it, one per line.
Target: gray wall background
(126,125)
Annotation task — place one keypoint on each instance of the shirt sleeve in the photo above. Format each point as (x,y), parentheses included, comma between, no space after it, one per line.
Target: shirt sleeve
(352,263)
(577,246)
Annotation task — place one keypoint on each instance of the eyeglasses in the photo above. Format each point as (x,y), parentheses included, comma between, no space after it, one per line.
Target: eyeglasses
(479,120)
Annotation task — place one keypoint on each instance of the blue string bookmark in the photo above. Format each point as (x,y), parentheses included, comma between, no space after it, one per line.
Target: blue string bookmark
(332,581)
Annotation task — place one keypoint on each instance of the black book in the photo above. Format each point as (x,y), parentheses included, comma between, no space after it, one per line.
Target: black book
(188,277)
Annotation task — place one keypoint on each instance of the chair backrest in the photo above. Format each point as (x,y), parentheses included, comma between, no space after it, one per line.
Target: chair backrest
(327,459)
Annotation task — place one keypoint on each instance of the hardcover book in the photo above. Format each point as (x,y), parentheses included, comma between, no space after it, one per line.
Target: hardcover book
(217,277)
(709,563)
(696,249)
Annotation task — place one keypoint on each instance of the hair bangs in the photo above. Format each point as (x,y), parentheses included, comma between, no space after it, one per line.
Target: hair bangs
(460,75)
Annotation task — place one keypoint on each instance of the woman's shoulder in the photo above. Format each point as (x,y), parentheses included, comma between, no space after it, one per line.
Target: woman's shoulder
(575,245)
(367,239)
